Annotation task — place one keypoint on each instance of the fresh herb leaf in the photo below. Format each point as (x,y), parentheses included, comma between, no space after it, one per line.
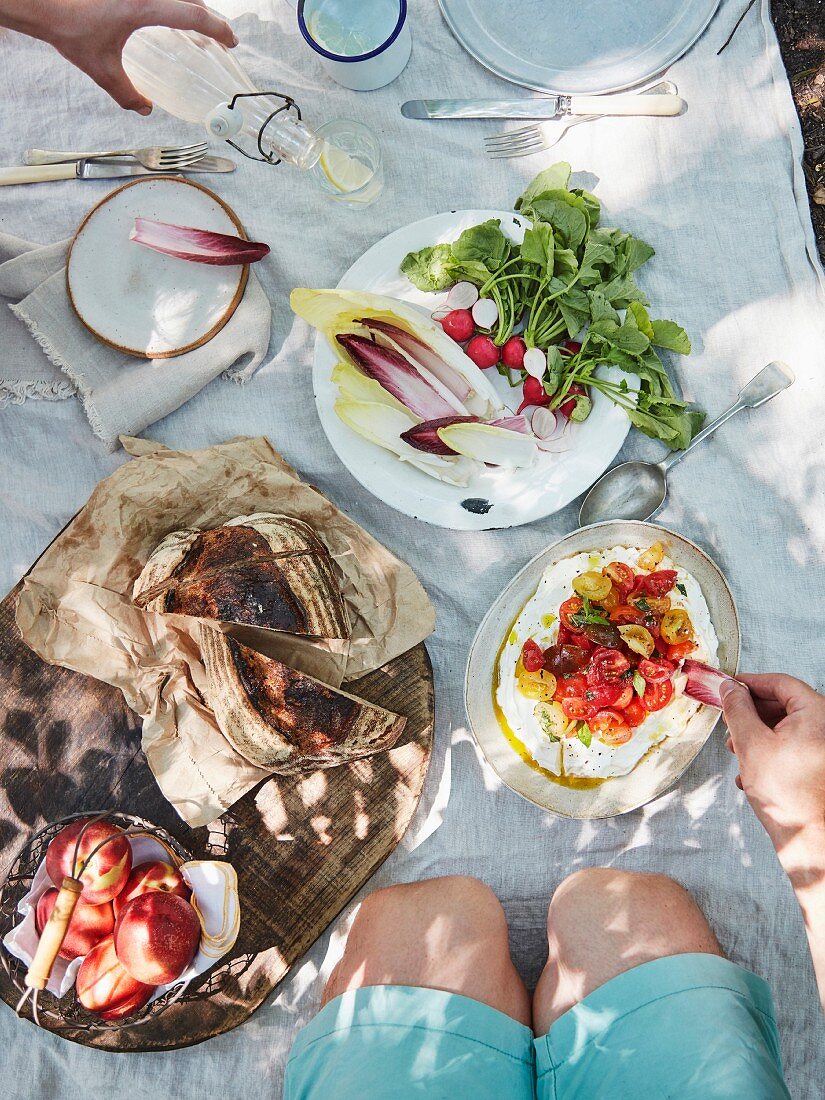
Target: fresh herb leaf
(643,604)
(681,588)
(639,683)
(584,734)
(588,616)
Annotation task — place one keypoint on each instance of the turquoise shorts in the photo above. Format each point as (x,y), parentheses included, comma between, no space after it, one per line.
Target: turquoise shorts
(692,1027)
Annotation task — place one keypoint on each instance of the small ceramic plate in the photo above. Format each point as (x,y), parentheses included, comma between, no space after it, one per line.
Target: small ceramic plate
(498,497)
(665,762)
(143,302)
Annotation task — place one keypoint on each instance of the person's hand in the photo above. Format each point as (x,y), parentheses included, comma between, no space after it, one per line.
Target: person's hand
(92,33)
(777,731)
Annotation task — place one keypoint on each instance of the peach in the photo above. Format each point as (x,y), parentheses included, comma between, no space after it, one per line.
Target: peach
(88,926)
(156,936)
(103,874)
(106,988)
(155,875)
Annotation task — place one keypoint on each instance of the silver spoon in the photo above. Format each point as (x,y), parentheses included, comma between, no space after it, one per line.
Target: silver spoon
(635,490)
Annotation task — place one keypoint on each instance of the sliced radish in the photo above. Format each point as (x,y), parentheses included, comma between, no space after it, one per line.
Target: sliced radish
(485,313)
(462,296)
(425,437)
(486,443)
(535,363)
(440,313)
(544,423)
(704,682)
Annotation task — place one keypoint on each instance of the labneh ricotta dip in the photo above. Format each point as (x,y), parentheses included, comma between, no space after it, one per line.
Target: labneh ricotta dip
(539,620)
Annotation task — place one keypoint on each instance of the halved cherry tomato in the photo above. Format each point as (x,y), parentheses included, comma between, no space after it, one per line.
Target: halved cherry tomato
(657,604)
(606,666)
(634,713)
(621,575)
(657,696)
(678,652)
(612,600)
(603,695)
(602,634)
(569,687)
(651,557)
(676,626)
(655,672)
(566,636)
(593,585)
(638,639)
(578,709)
(571,606)
(610,727)
(532,656)
(625,698)
(564,660)
(625,614)
(655,584)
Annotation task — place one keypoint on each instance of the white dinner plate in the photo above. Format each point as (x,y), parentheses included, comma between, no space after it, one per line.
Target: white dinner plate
(144,302)
(498,497)
(664,764)
(577,46)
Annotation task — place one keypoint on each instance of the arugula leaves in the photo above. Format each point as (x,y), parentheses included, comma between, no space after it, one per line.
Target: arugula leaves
(571,276)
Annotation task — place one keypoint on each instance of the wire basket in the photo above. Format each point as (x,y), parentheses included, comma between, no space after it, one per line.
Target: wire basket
(66,1012)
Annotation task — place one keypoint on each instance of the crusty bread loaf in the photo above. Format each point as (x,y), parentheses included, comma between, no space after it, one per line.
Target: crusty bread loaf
(284,720)
(262,570)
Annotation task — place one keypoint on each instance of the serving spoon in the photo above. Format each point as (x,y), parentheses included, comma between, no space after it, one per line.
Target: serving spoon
(635,490)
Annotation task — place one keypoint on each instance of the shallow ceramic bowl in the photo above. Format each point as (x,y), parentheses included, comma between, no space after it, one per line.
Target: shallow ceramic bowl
(665,762)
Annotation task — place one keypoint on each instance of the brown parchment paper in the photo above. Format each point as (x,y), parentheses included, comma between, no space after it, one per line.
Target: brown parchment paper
(76,610)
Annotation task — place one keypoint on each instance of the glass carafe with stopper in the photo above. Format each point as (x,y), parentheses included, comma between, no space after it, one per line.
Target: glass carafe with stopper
(196,79)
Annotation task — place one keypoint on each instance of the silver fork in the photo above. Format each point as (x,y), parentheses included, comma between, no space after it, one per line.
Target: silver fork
(536,138)
(156,157)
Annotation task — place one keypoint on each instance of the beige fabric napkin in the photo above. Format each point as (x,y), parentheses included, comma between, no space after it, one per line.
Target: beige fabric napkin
(121,394)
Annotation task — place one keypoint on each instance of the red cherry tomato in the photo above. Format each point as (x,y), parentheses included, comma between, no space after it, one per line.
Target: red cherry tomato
(626,697)
(512,353)
(678,652)
(566,637)
(570,687)
(532,392)
(603,695)
(568,405)
(532,656)
(459,325)
(655,672)
(625,615)
(611,727)
(657,696)
(578,709)
(483,351)
(655,584)
(571,606)
(606,667)
(621,575)
(634,713)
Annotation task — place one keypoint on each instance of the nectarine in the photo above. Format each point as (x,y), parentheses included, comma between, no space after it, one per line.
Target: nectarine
(105,873)
(88,926)
(155,875)
(106,988)
(156,936)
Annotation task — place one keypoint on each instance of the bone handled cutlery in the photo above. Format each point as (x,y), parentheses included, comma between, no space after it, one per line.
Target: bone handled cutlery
(103,169)
(546,106)
(156,157)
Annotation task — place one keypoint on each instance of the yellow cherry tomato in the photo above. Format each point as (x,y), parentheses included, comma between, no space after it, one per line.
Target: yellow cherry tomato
(676,626)
(651,557)
(659,604)
(537,685)
(551,719)
(637,638)
(612,600)
(592,585)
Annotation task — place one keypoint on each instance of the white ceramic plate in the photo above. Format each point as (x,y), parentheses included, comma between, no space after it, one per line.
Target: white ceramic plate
(585,47)
(498,497)
(665,762)
(141,301)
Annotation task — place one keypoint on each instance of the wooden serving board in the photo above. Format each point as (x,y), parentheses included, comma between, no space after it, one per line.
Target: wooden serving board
(302,845)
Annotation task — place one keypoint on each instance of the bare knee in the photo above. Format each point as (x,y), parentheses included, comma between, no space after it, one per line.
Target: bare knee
(602,922)
(445,933)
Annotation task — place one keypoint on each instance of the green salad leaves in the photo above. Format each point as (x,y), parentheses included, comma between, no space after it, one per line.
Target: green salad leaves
(571,277)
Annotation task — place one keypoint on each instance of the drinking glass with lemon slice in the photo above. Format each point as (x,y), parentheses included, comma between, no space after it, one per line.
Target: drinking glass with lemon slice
(349,169)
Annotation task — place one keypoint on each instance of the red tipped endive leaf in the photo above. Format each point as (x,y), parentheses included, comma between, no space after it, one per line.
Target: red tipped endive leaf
(425,437)
(423,354)
(201,246)
(704,682)
(396,375)
(512,424)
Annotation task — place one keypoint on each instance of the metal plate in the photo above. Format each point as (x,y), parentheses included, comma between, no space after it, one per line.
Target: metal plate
(586,47)
(664,764)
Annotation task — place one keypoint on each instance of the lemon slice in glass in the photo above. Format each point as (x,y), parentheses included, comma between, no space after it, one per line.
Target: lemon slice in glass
(344,172)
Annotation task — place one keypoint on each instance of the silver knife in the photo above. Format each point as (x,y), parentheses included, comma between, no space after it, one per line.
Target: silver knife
(102,170)
(545,107)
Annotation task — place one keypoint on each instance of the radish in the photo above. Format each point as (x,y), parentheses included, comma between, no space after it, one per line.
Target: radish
(543,423)
(483,352)
(462,296)
(485,313)
(512,353)
(569,404)
(535,363)
(571,347)
(533,393)
(458,324)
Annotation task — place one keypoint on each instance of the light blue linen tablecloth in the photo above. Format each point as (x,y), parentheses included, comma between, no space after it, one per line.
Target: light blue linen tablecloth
(720,194)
